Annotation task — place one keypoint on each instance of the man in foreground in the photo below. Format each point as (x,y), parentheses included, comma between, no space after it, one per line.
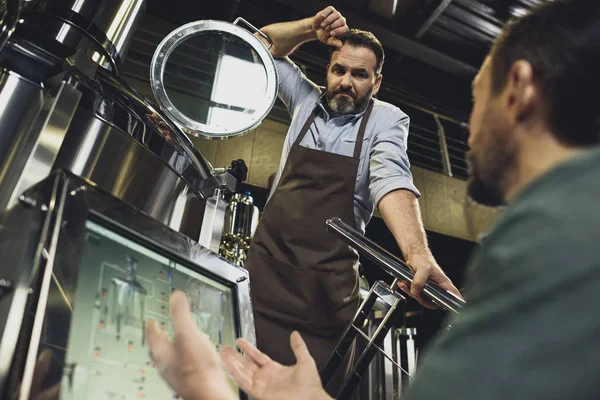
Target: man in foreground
(530,328)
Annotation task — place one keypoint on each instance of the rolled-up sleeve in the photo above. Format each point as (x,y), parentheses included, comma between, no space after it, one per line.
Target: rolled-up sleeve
(389,167)
(294,86)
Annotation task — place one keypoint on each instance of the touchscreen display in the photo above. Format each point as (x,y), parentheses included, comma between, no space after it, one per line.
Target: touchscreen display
(120,287)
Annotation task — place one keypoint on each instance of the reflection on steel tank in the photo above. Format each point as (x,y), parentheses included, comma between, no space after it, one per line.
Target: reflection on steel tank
(241,220)
(207,307)
(128,297)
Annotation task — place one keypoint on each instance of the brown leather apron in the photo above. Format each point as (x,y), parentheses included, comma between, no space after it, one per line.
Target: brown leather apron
(302,277)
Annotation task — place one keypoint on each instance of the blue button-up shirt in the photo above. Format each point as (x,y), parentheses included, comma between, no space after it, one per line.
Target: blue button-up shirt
(384,165)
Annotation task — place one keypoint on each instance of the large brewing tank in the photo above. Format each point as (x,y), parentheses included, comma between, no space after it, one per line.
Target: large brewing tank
(123,144)
(65,108)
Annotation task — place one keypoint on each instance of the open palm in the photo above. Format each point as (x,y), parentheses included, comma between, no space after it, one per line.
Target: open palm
(265,379)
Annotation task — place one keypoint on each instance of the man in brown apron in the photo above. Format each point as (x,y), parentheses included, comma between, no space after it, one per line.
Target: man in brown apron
(301,277)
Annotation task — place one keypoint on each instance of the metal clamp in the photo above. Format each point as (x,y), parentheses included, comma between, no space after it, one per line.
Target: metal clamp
(255,29)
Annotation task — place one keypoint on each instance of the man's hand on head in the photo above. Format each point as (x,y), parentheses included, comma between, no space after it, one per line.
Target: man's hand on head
(330,25)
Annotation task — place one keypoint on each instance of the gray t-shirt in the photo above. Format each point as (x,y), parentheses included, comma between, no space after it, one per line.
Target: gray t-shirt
(531,327)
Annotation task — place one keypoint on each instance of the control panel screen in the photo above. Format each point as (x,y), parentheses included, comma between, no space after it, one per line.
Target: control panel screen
(121,286)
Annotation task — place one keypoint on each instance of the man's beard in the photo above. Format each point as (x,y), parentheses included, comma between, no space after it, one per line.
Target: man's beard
(342,105)
(488,173)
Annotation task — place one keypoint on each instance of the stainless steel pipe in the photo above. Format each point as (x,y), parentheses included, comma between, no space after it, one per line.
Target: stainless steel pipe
(391,264)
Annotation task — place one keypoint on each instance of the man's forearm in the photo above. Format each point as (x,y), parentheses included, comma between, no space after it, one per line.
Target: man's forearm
(401,213)
(287,36)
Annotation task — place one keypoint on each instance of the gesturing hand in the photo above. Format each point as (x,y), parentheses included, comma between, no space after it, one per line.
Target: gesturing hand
(265,379)
(329,25)
(190,364)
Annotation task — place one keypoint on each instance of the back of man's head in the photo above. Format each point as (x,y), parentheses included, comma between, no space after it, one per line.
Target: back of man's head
(561,41)
(360,38)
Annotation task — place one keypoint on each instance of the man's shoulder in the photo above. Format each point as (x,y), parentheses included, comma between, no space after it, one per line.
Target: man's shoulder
(308,102)
(559,205)
(384,108)
(566,192)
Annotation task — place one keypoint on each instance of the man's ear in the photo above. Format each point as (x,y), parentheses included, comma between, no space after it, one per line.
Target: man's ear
(377,84)
(523,94)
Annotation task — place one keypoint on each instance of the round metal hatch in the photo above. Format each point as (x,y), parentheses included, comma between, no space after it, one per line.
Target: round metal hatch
(214,78)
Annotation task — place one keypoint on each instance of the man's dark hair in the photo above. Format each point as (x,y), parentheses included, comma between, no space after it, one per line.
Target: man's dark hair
(359,38)
(561,41)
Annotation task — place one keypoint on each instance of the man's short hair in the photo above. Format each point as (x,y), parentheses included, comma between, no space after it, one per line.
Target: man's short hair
(561,41)
(360,38)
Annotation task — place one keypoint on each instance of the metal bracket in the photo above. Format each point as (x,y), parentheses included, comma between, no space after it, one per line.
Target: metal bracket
(256,30)
(224,181)
(28,201)
(5,284)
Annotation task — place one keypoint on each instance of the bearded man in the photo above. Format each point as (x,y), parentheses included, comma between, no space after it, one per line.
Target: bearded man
(344,155)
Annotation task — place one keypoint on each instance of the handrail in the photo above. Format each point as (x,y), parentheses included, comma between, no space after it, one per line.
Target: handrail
(391,264)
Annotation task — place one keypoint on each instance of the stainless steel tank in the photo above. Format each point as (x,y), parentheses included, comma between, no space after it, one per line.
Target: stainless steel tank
(109,24)
(64,106)
(120,142)
(56,47)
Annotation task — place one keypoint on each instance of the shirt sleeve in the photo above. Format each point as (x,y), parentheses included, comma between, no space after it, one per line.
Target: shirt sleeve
(294,86)
(389,167)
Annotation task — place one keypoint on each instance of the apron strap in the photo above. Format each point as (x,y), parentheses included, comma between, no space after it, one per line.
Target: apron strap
(307,124)
(361,130)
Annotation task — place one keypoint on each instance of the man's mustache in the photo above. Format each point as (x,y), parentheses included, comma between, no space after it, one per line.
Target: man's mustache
(344,91)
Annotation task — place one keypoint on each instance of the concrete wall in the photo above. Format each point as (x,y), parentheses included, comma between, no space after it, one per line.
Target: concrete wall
(444,204)
(447,209)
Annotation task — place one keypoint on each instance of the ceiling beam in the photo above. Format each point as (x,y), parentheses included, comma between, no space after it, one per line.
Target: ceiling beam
(384,8)
(441,7)
(392,40)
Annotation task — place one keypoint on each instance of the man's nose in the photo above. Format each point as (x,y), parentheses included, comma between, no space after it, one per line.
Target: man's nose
(346,81)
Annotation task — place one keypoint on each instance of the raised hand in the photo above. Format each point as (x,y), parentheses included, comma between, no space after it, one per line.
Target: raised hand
(329,25)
